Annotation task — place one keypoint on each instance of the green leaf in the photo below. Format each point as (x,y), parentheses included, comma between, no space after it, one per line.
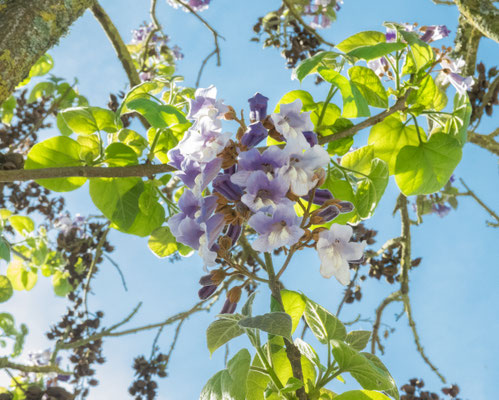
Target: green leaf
(160,116)
(132,139)
(275,323)
(42,66)
(369,85)
(426,168)
(230,383)
(221,331)
(369,374)
(308,351)
(305,97)
(324,325)
(341,189)
(359,160)
(292,385)
(117,199)
(58,151)
(145,223)
(248,306)
(354,104)
(23,225)
(4,250)
(62,126)
(370,188)
(310,65)
(119,155)
(6,290)
(141,91)
(420,53)
(361,395)
(7,108)
(458,124)
(361,39)
(42,89)
(61,284)
(88,120)
(428,96)
(358,339)
(331,115)
(20,277)
(393,391)
(90,147)
(389,136)
(376,50)
(162,242)
(294,306)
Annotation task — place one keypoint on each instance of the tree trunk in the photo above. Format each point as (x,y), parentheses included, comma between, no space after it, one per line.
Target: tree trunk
(28,28)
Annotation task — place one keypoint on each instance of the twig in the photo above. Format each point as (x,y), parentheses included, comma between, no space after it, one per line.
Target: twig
(421,351)
(347,292)
(484,206)
(42,369)
(215,34)
(115,265)
(486,142)
(305,25)
(117,42)
(286,262)
(398,106)
(156,28)
(395,296)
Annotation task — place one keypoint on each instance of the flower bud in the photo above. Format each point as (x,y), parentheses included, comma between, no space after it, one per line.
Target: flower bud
(223,185)
(225,243)
(254,135)
(320,196)
(320,175)
(324,214)
(311,138)
(231,114)
(206,291)
(234,294)
(234,232)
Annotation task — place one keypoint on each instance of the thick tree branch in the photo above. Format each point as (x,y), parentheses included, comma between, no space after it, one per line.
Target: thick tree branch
(27,30)
(117,42)
(483,15)
(486,142)
(42,369)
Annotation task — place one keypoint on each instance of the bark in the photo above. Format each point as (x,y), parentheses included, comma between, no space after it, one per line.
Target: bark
(483,15)
(28,29)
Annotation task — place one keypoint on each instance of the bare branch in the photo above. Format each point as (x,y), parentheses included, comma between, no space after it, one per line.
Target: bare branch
(483,15)
(395,296)
(486,142)
(484,206)
(42,369)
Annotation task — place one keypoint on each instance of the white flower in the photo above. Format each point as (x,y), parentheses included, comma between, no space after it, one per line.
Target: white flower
(335,251)
(291,123)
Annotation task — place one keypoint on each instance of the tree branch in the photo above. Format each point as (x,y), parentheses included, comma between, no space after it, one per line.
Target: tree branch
(484,206)
(42,369)
(483,15)
(486,142)
(27,30)
(398,106)
(117,42)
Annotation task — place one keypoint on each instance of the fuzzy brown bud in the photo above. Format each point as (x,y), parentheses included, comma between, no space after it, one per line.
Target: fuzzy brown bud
(217,276)
(231,114)
(234,294)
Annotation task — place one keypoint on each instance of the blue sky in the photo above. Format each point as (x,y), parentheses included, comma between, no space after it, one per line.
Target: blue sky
(453,292)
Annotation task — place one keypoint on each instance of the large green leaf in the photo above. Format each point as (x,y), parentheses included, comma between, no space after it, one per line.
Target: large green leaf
(369,374)
(4,250)
(221,331)
(88,120)
(457,126)
(310,65)
(389,136)
(6,290)
(324,325)
(59,151)
(160,116)
(145,223)
(305,97)
(22,224)
(426,168)
(420,53)
(354,104)
(294,306)
(358,339)
(20,277)
(428,96)
(361,39)
(119,155)
(359,160)
(275,323)
(376,50)
(341,189)
(369,85)
(370,188)
(117,199)
(163,243)
(230,383)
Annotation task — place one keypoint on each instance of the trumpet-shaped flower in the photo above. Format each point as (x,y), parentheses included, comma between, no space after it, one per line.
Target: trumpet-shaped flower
(291,123)
(262,192)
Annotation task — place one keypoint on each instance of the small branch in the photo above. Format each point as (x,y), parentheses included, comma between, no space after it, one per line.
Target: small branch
(395,296)
(405,259)
(398,106)
(347,292)
(86,172)
(115,265)
(484,206)
(42,369)
(215,34)
(305,25)
(421,351)
(117,42)
(486,142)
(444,2)
(156,28)
(286,262)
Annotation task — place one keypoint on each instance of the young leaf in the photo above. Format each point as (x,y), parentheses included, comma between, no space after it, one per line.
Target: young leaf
(376,50)
(4,250)
(324,325)
(88,120)
(389,136)
(369,85)
(119,155)
(158,115)
(354,104)
(294,306)
(305,97)
(58,151)
(310,65)
(361,395)
(6,290)
(358,339)
(426,168)
(248,306)
(220,332)
(275,323)
(428,96)
(23,225)
(20,277)
(361,39)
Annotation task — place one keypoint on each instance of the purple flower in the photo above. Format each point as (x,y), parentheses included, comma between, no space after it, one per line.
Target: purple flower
(320,196)
(252,160)
(233,232)
(379,66)
(196,5)
(299,172)
(258,107)
(254,135)
(223,185)
(228,307)
(440,209)
(391,35)
(320,21)
(205,104)
(335,251)
(177,53)
(452,69)
(291,123)
(327,214)
(311,138)
(434,32)
(262,192)
(207,246)
(277,229)
(206,291)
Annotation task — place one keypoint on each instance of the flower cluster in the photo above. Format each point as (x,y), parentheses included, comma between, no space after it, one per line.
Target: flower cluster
(230,183)
(196,5)
(149,48)
(323,12)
